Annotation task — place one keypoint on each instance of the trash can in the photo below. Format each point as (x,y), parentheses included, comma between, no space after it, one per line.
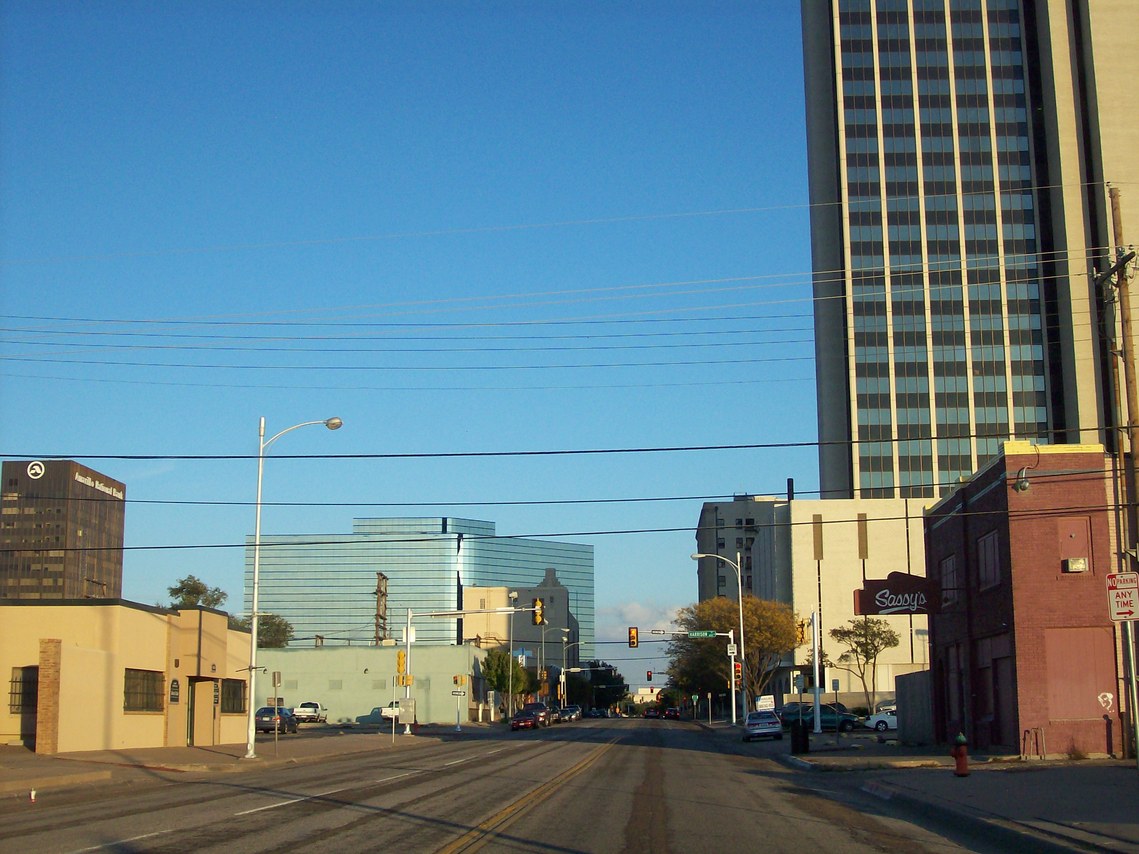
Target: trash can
(800,737)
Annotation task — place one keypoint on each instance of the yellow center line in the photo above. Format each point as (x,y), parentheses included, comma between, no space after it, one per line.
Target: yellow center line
(476,837)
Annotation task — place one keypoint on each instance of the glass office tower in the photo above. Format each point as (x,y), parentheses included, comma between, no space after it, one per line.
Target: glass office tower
(355,588)
(954,262)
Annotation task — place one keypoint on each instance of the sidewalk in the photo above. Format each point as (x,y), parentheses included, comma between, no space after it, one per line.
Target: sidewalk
(1059,804)
(22,770)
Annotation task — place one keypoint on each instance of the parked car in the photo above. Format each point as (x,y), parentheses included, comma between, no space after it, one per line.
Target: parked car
(524,719)
(310,713)
(762,724)
(277,719)
(541,711)
(571,713)
(793,711)
(381,714)
(830,718)
(883,721)
(672,714)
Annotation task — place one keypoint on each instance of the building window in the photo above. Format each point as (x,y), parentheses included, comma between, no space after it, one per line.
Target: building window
(232,696)
(143,690)
(24,690)
(949,591)
(988,561)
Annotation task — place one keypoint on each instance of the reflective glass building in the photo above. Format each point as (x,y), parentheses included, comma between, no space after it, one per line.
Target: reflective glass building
(959,155)
(356,588)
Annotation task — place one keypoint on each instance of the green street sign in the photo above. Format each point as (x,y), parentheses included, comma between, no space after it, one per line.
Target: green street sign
(702,633)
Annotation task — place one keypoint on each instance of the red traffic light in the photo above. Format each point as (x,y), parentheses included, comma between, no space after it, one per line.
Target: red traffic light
(649,676)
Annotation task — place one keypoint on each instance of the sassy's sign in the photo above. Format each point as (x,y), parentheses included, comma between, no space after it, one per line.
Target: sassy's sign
(898,593)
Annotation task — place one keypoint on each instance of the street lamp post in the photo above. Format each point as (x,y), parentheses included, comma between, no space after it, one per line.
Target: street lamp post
(510,668)
(562,676)
(254,616)
(542,662)
(740,588)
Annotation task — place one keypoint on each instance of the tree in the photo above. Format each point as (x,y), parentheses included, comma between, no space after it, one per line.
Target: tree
(700,665)
(864,640)
(273,630)
(497,668)
(606,684)
(191,591)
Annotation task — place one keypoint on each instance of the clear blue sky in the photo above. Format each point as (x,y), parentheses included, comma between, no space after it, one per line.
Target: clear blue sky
(499,227)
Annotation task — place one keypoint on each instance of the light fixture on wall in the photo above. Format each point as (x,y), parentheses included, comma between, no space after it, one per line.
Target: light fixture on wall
(1021,484)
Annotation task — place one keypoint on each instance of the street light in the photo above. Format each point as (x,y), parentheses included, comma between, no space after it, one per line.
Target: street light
(740,587)
(542,663)
(510,668)
(254,617)
(562,676)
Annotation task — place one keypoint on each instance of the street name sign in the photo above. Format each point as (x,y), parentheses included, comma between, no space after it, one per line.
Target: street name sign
(1123,595)
(702,633)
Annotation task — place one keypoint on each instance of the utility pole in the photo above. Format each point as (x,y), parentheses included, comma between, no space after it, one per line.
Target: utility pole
(1132,465)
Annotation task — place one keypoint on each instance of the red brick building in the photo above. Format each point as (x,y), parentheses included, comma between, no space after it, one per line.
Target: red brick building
(1024,654)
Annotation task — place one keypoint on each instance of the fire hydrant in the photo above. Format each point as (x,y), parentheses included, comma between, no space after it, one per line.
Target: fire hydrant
(960,754)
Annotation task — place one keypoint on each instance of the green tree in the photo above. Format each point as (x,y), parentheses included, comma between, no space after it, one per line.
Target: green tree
(606,684)
(864,639)
(700,665)
(273,630)
(192,591)
(497,669)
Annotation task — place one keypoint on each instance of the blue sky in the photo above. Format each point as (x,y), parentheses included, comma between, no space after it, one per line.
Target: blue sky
(462,228)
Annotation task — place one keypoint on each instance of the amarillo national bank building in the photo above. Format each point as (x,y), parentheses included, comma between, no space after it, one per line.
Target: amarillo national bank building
(61,531)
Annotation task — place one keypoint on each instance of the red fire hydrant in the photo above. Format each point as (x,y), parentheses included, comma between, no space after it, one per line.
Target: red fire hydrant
(960,754)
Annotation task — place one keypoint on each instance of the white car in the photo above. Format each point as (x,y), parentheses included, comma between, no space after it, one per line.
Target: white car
(883,721)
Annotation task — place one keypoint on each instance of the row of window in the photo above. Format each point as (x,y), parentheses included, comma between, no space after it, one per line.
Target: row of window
(143,691)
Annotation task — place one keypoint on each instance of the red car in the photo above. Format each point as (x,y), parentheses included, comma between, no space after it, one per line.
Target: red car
(524,720)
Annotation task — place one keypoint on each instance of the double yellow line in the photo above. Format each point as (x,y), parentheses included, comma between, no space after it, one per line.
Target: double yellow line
(477,837)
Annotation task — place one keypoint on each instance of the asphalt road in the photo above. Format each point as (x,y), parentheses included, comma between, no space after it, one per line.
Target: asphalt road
(592,786)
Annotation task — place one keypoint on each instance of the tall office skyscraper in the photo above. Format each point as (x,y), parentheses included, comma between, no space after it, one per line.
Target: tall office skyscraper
(959,155)
(61,531)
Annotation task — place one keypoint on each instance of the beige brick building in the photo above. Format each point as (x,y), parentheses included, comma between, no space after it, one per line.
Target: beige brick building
(111,674)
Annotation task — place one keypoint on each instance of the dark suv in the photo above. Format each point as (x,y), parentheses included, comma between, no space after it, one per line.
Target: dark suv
(541,712)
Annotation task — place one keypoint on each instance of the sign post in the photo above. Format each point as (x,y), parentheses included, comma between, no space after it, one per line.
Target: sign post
(1123,596)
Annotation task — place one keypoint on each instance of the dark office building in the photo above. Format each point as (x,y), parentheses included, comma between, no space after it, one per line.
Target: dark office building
(61,532)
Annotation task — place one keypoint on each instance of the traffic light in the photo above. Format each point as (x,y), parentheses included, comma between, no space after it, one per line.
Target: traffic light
(649,676)
(800,633)
(400,662)
(739,673)
(633,636)
(538,617)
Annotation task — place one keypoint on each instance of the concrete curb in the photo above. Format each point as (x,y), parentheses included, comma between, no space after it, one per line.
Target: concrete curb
(52,782)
